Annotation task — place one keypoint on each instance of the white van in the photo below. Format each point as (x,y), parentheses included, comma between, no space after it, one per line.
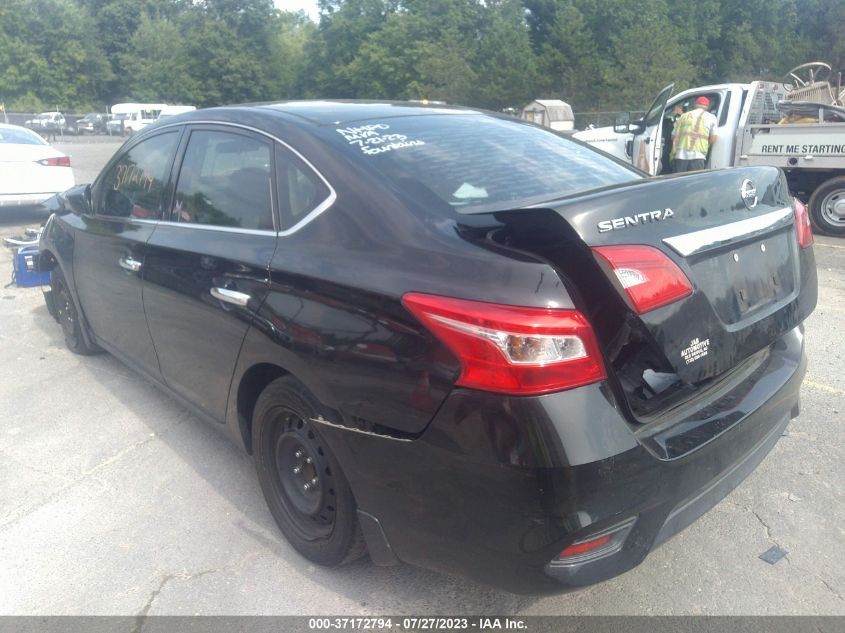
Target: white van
(173,110)
(128,118)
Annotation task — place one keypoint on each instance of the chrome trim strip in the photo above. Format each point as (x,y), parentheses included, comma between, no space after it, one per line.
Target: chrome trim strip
(354,430)
(717,236)
(319,209)
(205,227)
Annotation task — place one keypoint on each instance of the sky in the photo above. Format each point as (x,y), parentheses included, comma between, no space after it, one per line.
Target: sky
(309,6)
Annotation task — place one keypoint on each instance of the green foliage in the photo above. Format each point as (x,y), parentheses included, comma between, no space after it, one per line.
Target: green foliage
(595,54)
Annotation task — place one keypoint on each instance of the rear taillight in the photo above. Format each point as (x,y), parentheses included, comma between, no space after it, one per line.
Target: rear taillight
(649,277)
(56,161)
(802,223)
(511,349)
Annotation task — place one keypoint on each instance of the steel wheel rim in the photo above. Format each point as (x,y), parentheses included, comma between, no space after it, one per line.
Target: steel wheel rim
(298,460)
(65,310)
(833,208)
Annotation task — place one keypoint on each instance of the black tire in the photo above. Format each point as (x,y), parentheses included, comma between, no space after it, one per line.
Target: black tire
(319,520)
(67,316)
(827,207)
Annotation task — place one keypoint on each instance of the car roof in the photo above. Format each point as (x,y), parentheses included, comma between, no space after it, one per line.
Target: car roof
(341,112)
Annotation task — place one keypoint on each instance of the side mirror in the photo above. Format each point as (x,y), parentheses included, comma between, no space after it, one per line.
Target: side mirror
(78,200)
(622,123)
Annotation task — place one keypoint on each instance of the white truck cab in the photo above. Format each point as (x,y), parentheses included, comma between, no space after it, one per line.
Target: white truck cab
(751,130)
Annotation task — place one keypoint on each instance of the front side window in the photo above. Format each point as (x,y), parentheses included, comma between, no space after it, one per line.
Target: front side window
(225,180)
(133,185)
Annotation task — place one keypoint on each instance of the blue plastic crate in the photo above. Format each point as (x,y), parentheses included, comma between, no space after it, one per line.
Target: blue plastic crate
(27,274)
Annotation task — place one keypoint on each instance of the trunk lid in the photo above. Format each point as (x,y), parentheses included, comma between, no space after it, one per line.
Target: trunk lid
(733,235)
(22,174)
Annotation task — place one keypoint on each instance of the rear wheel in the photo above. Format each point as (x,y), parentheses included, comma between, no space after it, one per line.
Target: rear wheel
(302,482)
(64,311)
(827,207)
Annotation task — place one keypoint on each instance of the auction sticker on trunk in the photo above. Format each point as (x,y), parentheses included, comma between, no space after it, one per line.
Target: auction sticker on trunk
(697,349)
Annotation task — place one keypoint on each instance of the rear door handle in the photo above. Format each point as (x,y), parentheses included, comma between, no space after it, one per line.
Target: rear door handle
(132,265)
(230,296)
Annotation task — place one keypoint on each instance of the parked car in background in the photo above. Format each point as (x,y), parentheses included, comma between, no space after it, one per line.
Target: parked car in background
(31,171)
(91,123)
(48,123)
(459,339)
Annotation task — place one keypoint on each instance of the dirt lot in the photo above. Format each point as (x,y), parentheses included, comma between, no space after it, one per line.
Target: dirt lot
(116,500)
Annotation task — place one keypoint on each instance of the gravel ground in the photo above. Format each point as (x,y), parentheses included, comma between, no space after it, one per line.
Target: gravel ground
(116,500)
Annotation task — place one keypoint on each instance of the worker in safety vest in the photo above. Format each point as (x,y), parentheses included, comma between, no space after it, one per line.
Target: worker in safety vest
(692,137)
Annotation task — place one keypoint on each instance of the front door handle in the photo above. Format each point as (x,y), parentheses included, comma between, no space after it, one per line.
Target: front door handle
(132,265)
(230,296)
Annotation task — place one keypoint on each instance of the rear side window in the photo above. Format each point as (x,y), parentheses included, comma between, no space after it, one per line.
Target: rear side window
(225,180)
(476,163)
(133,185)
(300,189)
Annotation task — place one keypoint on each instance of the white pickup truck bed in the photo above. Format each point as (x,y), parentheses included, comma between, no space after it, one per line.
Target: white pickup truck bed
(794,145)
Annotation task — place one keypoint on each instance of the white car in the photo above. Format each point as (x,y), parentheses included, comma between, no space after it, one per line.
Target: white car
(30,170)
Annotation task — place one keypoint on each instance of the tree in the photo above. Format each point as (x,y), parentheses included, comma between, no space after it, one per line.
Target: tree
(569,59)
(156,65)
(49,54)
(505,58)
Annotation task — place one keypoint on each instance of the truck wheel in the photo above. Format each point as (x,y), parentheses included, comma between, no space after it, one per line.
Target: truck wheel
(827,207)
(65,313)
(302,482)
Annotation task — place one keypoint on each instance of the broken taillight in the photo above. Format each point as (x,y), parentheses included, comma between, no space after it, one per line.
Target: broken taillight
(650,279)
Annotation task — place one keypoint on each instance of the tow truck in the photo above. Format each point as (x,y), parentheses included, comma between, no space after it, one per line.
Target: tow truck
(797,124)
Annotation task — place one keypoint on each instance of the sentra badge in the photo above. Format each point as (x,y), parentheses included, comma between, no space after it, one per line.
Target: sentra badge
(634,220)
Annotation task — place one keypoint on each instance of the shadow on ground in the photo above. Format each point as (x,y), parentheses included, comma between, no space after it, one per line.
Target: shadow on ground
(229,470)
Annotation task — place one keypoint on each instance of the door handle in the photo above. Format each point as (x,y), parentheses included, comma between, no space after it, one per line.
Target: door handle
(230,296)
(132,265)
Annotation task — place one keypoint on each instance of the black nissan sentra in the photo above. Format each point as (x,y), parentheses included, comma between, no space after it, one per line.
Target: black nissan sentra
(448,337)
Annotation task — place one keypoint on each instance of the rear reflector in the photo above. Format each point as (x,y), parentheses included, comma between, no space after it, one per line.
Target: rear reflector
(595,546)
(586,546)
(802,223)
(649,277)
(56,161)
(511,349)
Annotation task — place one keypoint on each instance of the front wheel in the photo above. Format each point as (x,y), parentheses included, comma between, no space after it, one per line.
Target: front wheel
(302,482)
(64,311)
(827,207)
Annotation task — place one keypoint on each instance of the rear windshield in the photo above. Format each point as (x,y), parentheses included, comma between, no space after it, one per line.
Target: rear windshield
(20,137)
(477,163)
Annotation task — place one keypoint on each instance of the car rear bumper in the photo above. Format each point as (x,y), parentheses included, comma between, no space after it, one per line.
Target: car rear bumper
(497,487)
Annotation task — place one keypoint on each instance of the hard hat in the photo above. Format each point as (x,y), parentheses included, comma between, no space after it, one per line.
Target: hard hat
(702,101)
